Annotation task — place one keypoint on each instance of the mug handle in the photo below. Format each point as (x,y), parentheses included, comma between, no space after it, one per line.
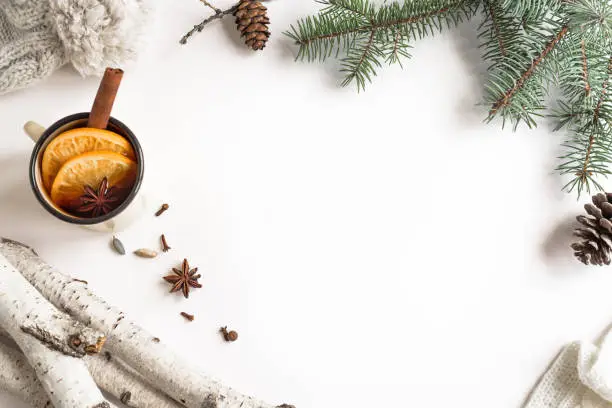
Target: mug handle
(34,130)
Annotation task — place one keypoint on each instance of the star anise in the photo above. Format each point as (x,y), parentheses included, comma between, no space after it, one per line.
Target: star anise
(183,279)
(98,202)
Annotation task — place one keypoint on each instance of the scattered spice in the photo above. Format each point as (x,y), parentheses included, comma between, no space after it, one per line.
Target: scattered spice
(125,397)
(156,340)
(75,341)
(229,336)
(145,253)
(98,202)
(108,356)
(162,209)
(118,245)
(165,246)
(183,279)
(79,280)
(188,316)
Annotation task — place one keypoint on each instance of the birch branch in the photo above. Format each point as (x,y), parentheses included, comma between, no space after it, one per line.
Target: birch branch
(17,377)
(157,363)
(64,378)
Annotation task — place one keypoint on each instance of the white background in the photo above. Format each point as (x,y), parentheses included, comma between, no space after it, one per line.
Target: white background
(380,249)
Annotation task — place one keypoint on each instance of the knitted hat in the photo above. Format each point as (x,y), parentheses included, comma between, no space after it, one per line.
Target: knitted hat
(39,36)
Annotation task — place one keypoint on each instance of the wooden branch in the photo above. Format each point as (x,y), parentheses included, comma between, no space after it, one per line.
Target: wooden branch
(145,353)
(74,339)
(18,378)
(64,378)
(199,27)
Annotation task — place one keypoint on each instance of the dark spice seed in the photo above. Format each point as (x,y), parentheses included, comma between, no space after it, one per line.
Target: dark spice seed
(229,336)
(125,397)
(107,355)
(188,316)
(165,246)
(163,208)
(156,340)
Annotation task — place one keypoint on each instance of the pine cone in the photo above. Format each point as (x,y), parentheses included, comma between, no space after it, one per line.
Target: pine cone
(596,232)
(252,20)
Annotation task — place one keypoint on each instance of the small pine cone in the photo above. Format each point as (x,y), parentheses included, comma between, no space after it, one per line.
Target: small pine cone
(596,232)
(252,20)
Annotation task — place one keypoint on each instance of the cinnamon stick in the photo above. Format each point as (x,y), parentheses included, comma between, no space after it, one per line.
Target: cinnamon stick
(103,104)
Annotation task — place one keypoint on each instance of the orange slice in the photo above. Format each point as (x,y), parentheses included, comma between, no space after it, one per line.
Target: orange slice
(78,141)
(89,169)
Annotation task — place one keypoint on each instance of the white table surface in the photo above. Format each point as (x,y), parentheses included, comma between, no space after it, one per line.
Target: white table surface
(373,250)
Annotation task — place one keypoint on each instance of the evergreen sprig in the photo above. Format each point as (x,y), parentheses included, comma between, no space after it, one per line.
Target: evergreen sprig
(368,35)
(530,46)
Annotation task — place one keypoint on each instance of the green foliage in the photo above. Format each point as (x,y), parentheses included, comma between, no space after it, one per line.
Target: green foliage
(528,11)
(530,45)
(585,109)
(517,83)
(366,35)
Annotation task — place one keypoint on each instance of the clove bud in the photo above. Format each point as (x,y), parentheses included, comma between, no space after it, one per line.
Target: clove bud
(229,336)
(163,208)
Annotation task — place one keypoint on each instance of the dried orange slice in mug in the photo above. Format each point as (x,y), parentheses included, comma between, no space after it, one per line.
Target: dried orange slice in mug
(78,141)
(89,169)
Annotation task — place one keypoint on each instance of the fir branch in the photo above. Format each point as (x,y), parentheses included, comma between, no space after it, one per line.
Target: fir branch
(371,26)
(529,45)
(604,92)
(396,50)
(529,11)
(507,96)
(589,152)
(585,69)
(368,34)
(360,64)
(495,25)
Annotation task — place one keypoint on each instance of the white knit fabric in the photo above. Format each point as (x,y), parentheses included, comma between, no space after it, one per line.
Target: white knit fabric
(39,36)
(579,377)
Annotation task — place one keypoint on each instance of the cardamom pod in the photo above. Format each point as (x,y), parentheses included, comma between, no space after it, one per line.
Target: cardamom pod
(118,245)
(145,253)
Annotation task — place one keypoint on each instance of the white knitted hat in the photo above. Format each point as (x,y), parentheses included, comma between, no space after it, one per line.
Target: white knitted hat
(39,36)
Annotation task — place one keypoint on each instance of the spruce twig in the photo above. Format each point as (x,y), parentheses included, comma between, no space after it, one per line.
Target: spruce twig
(507,96)
(368,34)
(585,69)
(530,45)
(495,23)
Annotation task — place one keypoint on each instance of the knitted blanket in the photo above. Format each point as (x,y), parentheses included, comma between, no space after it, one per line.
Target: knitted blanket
(579,377)
(39,36)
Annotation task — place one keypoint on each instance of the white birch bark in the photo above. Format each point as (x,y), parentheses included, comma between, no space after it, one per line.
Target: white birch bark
(141,350)
(18,378)
(64,378)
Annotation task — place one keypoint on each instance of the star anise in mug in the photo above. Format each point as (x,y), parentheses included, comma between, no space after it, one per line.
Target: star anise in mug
(98,202)
(183,279)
